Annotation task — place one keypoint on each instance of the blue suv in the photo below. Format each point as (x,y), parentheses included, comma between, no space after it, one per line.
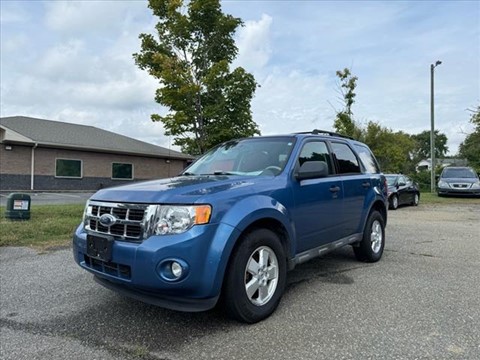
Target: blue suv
(234,222)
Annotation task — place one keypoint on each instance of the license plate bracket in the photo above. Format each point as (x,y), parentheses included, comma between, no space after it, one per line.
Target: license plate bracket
(100,247)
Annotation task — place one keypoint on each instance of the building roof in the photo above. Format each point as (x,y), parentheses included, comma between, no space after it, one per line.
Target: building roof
(21,129)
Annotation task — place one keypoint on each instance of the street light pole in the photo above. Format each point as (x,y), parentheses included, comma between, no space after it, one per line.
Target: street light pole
(432,125)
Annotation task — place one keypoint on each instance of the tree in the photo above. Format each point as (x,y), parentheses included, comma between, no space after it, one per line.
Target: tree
(207,102)
(470,147)
(392,149)
(344,123)
(422,145)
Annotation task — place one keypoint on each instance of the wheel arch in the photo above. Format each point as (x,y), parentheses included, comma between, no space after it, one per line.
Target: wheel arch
(273,225)
(379,206)
(251,213)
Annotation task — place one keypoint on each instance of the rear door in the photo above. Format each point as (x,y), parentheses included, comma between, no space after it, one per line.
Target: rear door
(356,185)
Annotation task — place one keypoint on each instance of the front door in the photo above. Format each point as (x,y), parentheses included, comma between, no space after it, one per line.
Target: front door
(318,210)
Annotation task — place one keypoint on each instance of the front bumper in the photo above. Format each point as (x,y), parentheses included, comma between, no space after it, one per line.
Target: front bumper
(458,191)
(135,269)
(168,302)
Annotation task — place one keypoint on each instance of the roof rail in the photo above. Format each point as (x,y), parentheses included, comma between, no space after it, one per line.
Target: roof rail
(325,132)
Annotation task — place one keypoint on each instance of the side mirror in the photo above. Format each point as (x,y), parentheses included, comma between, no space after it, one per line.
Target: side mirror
(401,184)
(312,170)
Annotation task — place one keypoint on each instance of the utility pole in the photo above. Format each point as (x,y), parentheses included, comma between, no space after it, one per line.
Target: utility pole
(432,125)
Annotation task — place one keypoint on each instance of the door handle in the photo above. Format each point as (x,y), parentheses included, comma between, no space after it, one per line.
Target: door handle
(366,184)
(334,189)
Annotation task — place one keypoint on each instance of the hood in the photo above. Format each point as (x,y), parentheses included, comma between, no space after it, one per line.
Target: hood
(178,190)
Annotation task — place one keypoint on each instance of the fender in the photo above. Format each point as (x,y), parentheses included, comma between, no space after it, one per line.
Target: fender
(235,221)
(257,207)
(376,200)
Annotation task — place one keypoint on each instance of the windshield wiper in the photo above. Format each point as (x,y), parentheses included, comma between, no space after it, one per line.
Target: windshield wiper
(221,172)
(188,174)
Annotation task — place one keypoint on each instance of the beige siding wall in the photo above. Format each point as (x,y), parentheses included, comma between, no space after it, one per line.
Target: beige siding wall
(18,161)
(15,161)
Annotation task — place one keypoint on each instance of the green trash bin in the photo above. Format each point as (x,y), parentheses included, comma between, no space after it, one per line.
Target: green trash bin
(18,207)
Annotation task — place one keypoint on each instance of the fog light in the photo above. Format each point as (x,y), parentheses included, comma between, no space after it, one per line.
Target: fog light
(172,270)
(176,269)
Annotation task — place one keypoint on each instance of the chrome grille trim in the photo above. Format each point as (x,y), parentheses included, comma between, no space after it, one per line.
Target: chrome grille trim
(129,224)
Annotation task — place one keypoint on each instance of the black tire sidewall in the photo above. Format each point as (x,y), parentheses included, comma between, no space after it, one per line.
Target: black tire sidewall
(237,303)
(364,252)
(392,202)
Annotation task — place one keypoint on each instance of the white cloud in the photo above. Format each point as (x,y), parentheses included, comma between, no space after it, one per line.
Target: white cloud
(72,61)
(253,41)
(87,17)
(292,102)
(12,13)
(14,44)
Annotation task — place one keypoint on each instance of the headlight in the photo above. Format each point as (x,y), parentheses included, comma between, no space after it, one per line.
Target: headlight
(476,185)
(86,212)
(175,219)
(442,184)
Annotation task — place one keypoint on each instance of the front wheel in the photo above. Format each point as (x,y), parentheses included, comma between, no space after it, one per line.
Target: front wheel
(256,277)
(371,247)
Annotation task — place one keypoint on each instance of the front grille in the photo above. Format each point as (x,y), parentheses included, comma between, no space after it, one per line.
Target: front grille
(128,223)
(110,268)
(461,186)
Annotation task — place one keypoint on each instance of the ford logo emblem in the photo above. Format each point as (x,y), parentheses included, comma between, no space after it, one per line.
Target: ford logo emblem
(107,220)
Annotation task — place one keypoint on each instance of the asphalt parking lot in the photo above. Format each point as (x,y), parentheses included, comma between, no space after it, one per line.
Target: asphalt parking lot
(421,301)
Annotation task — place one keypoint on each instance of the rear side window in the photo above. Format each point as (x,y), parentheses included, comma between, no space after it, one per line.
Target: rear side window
(347,161)
(367,159)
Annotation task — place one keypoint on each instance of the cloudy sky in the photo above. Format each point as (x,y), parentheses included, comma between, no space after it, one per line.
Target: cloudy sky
(72,61)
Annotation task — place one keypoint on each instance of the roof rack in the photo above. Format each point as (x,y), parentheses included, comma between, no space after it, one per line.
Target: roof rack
(325,132)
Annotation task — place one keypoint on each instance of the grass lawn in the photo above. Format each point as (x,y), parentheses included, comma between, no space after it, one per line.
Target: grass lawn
(49,226)
(53,225)
(429,198)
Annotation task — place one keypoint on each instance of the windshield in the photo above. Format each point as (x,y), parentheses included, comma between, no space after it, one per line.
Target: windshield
(252,156)
(459,173)
(391,180)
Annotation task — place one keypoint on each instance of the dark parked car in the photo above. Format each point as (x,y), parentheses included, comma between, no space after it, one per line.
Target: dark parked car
(402,190)
(461,181)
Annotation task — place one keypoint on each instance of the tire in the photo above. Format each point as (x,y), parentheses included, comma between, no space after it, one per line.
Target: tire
(371,247)
(394,202)
(258,264)
(416,199)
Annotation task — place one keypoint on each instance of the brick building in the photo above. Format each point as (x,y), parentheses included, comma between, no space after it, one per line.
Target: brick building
(37,154)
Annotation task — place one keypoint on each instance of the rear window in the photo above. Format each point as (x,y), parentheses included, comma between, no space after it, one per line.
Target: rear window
(367,158)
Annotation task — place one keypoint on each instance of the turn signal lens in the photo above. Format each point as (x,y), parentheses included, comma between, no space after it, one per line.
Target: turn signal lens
(202,214)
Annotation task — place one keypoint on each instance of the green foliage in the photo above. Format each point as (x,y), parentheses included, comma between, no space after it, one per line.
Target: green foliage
(423,178)
(344,122)
(422,145)
(208,102)
(470,148)
(392,149)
